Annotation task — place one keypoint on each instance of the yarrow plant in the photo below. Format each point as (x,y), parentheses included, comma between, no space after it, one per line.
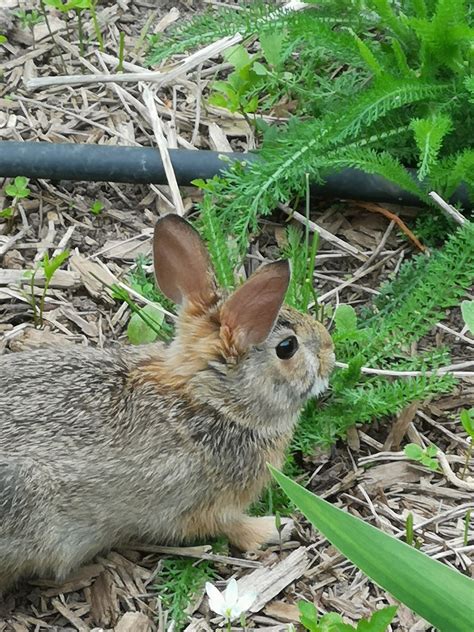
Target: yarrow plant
(229,604)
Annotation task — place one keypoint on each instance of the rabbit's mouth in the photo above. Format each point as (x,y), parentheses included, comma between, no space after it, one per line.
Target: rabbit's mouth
(319,386)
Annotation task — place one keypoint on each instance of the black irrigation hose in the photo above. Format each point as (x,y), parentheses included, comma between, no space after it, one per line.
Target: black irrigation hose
(143,165)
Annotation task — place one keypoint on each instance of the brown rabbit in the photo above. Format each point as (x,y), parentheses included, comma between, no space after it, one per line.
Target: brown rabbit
(164,443)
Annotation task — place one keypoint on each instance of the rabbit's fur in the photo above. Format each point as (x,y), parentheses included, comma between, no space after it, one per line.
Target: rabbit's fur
(167,443)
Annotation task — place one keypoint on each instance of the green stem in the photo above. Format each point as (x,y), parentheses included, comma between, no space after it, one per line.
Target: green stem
(33,299)
(48,26)
(121,49)
(466,527)
(468,457)
(42,300)
(98,33)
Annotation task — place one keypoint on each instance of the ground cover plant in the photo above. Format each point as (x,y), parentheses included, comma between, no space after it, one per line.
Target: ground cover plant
(373,85)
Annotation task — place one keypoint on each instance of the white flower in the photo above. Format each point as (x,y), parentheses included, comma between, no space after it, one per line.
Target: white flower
(228,604)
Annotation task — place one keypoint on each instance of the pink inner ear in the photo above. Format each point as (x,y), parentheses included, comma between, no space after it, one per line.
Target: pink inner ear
(182,267)
(249,315)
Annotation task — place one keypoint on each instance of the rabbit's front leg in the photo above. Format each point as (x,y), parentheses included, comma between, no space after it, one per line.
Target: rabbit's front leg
(248,533)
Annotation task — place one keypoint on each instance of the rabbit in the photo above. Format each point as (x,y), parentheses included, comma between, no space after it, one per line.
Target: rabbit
(167,443)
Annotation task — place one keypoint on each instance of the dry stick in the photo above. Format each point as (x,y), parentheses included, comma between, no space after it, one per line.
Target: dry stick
(64,240)
(378,250)
(197,119)
(163,147)
(8,244)
(456,334)
(84,119)
(447,209)
(358,275)
(451,476)
(452,435)
(451,369)
(159,77)
(336,279)
(325,234)
(375,208)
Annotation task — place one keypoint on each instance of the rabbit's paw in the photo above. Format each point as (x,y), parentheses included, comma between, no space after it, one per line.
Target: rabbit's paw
(249,533)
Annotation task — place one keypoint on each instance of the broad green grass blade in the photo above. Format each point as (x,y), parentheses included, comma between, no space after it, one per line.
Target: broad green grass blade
(437,593)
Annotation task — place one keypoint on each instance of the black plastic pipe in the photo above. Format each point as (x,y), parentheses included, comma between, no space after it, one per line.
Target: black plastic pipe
(143,165)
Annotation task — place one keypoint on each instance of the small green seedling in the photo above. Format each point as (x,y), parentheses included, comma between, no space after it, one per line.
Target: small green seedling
(97,207)
(29,19)
(178,583)
(467,420)
(467,311)
(426,457)
(234,93)
(467,520)
(78,6)
(3,39)
(18,189)
(409,533)
(333,622)
(49,266)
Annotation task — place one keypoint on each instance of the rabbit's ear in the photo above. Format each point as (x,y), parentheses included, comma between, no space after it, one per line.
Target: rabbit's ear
(183,269)
(248,316)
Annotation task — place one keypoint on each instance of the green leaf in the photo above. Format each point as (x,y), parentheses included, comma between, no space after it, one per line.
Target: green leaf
(379,621)
(51,265)
(429,135)
(431,463)
(237,56)
(252,105)
(368,56)
(144,325)
(7,212)
(224,87)
(431,450)
(259,69)
(3,39)
(219,100)
(19,188)
(345,319)
(413,451)
(467,420)
(467,311)
(308,615)
(439,594)
(272,46)
(97,207)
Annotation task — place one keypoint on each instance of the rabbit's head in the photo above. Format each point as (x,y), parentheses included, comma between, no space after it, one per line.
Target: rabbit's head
(245,353)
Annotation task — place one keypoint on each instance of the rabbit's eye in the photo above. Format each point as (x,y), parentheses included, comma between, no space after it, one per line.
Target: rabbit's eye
(287,348)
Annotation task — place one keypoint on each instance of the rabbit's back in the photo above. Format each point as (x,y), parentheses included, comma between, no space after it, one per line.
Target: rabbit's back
(64,395)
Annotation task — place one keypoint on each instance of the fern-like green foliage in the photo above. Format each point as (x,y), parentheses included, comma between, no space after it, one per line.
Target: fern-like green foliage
(301,251)
(375,399)
(382,85)
(209,26)
(221,246)
(406,309)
